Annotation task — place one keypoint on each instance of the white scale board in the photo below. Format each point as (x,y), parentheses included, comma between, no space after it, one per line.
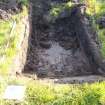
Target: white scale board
(14,92)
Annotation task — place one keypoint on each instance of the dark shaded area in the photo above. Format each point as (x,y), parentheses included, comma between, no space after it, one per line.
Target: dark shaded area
(88,44)
(61,47)
(101,22)
(10,6)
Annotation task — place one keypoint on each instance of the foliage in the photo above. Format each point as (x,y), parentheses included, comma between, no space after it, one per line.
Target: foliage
(9,37)
(96,9)
(58,8)
(24,2)
(40,93)
(101,33)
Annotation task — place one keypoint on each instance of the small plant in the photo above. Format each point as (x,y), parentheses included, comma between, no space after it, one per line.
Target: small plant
(57,9)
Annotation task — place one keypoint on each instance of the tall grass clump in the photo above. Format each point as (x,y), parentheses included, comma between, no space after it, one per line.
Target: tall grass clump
(9,38)
(40,93)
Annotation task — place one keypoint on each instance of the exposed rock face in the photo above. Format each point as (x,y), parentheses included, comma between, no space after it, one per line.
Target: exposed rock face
(54,45)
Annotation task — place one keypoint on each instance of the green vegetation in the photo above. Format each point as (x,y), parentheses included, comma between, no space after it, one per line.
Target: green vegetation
(38,93)
(9,36)
(101,33)
(57,9)
(95,7)
(7,44)
(24,2)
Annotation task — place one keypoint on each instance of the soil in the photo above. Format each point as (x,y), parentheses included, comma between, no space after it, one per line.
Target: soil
(54,49)
(8,8)
(64,80)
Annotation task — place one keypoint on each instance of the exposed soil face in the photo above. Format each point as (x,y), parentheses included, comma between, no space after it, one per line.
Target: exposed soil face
(54,48)
(9,7)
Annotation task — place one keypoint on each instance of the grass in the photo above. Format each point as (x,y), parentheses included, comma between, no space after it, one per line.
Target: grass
(9,39)
(39,93)
(6,40)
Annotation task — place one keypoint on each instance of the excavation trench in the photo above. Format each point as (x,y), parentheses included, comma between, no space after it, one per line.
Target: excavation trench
(61,46)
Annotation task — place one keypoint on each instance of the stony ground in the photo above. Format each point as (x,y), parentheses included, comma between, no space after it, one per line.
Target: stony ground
(65,80)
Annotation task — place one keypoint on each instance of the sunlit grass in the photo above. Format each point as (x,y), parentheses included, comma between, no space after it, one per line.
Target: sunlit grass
(38,93)
(9,39)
